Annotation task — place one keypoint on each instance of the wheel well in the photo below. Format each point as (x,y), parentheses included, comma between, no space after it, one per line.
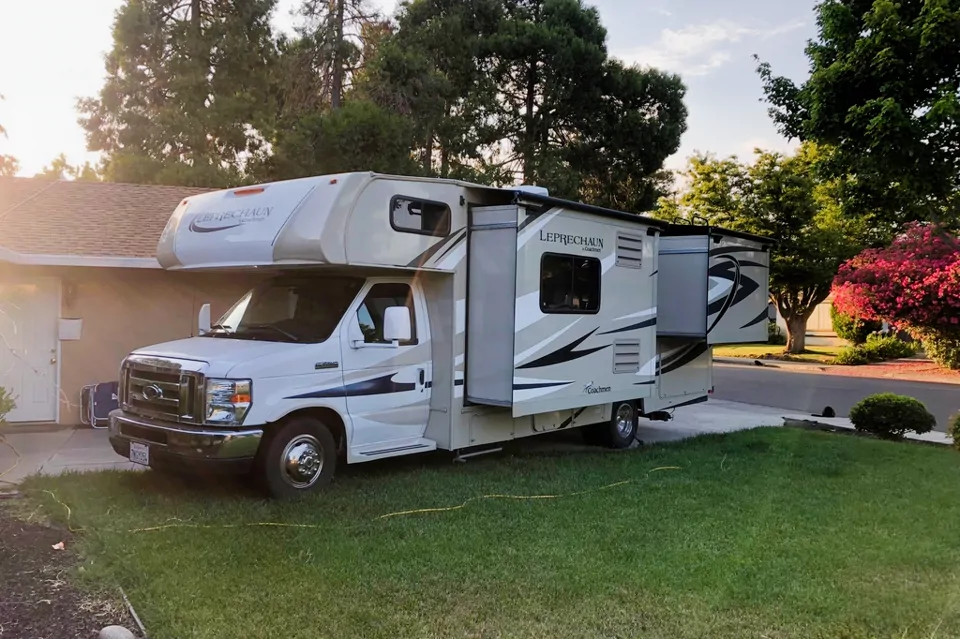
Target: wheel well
(330,418)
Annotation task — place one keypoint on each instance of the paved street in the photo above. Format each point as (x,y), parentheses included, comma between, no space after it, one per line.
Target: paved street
(810,392)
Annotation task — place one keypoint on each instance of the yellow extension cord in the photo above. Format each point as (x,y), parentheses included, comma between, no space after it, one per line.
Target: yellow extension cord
(16,452)
(400,513)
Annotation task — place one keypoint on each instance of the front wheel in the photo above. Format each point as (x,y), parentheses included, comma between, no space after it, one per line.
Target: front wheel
(298,458)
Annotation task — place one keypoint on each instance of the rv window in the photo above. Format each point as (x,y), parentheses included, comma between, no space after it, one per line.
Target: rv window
(410,215)
(569,284)
(378,300)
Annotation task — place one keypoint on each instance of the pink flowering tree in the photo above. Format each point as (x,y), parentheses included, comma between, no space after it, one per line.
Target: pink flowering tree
(914,284)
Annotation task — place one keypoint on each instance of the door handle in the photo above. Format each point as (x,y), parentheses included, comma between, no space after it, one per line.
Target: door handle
(423,377)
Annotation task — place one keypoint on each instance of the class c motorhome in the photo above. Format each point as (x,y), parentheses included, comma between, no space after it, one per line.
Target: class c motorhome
(403,315)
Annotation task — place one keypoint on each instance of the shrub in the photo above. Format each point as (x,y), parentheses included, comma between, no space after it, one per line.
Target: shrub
(775,336)
(954,430)
(851,356)
(879,348)
(853,329)
(942,346)
(6,403)
(890,416)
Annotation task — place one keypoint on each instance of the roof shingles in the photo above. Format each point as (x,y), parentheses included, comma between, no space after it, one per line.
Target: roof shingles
(94,219)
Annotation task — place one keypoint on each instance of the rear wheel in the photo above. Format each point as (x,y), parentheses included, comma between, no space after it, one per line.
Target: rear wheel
(620,432)
(298,458)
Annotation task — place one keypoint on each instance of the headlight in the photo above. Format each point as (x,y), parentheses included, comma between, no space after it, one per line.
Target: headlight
(227,401)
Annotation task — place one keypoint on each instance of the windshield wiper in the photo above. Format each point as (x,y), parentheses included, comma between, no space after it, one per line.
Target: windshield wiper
(256,327)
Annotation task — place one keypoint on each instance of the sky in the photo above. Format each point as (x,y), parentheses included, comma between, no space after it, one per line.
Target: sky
(52,53)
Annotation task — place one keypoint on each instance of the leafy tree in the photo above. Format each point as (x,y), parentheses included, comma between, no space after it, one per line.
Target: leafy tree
(500,90)
(715,191)
(61,169)
(574,118)
(435,70)
(883,91)
(913,284)
(360,136)
(9,165)
(187,90)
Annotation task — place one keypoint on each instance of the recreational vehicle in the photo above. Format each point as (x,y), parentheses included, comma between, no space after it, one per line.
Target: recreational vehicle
(401,315)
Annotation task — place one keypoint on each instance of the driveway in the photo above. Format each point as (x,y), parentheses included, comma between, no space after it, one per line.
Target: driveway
(808,392)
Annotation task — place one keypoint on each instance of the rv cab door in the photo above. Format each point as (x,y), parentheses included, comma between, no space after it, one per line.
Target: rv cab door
(386,375)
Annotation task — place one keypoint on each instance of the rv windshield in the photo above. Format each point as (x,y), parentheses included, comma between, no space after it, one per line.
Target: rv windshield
(290,309)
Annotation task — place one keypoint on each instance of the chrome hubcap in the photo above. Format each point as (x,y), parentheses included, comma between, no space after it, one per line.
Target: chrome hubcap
(625,420)
(302,461)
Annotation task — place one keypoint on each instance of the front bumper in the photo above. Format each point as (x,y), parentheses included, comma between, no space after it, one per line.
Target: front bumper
(182,447)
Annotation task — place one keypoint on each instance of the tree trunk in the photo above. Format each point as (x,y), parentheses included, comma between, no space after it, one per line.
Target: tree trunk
(336,87)
(530,133)
(796,334)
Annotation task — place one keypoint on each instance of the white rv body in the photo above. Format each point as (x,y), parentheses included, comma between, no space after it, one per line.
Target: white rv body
(527,315)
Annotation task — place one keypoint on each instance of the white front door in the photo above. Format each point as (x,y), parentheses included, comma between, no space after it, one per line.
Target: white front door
(387,386)
(29,311)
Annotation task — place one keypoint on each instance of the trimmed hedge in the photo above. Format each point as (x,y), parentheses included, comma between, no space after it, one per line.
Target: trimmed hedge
(853,329)
(890,416)
(954,430)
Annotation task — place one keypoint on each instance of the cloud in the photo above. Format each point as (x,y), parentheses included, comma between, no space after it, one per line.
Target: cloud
(699,49)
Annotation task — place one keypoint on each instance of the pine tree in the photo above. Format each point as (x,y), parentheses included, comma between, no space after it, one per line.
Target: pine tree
(187,91)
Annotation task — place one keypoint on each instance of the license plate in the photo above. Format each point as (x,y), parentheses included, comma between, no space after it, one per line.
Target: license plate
(140,453)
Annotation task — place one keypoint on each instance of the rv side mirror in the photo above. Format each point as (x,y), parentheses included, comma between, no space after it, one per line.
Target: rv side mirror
(203,321)
(396,324)
(355,334)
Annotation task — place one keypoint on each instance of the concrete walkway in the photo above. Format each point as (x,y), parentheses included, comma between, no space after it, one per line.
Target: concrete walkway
(85,449)
(53,452)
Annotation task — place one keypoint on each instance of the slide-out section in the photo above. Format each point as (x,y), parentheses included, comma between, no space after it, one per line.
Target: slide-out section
(491,301)
(725,279)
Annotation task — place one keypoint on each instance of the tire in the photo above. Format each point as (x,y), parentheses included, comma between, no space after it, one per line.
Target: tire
(620,432)
(298,458)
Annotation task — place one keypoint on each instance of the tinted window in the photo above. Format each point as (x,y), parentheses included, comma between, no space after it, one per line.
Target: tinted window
(411,215)
(569,284)
(290,309)
(378,300)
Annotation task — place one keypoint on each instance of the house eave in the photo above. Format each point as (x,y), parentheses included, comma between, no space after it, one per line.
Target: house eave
(89,261)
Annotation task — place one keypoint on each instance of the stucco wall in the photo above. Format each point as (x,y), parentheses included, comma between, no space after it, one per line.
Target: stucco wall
(124,309)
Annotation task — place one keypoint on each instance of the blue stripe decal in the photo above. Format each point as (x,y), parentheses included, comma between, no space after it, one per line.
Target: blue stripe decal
(633,327)
(376,386)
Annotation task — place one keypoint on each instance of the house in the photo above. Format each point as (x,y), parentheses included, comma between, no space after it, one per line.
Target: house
(80,287)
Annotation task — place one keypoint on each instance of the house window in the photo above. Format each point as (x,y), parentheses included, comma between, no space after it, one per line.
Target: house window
(375,304)
(569,284)
(412,215)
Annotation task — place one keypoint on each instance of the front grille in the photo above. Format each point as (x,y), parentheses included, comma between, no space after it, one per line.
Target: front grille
(160,389)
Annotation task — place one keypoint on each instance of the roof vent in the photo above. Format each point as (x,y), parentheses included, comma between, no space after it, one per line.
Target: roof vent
(536,190)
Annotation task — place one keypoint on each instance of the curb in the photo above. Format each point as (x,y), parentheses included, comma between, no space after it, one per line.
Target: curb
(810,424)
(770,363)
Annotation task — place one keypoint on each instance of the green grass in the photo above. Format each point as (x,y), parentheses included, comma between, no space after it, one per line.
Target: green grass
(767,533)
(816,354)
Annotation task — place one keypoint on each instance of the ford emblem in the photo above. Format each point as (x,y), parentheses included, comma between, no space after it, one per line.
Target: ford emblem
(152,392)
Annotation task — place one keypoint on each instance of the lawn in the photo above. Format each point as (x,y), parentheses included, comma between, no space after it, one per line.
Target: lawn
(768,533)
(815,354)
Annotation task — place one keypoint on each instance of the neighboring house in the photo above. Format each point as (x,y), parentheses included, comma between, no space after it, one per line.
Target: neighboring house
(80,287)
